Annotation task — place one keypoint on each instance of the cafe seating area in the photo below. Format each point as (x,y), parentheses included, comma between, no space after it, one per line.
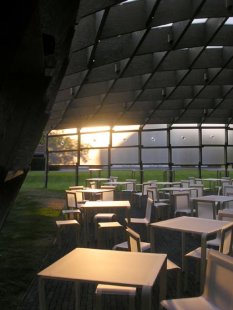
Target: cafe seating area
(175,236)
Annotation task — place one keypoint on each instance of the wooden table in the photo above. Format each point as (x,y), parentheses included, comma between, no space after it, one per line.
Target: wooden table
(92,170)
(97,180)
(120,183)
(116,183)
(168,184)
(93,191)
(214,199)
(90,208)
(108,267)
(177,189)
(194,225)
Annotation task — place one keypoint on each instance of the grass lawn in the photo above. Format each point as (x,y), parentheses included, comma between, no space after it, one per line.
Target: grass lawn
(30,227)
(24,242)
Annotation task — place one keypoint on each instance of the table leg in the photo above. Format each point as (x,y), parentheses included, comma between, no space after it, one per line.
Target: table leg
(127,215)
(85,230)
(203,261)
(77,295)
(152,239)
(182,250)
(42,302)
(146,298)
(163,282)
(215,210)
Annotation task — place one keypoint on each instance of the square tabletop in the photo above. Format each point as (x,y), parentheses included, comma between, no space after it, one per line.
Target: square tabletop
(177,189)
(191,224)
(107,266)
(213,198)
(93,190)
(106,204)
(98,179)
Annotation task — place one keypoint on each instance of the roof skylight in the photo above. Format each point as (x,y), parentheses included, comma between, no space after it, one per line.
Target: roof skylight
(199,20)
(213,46)
(163,26)
(229,21)
(127,1)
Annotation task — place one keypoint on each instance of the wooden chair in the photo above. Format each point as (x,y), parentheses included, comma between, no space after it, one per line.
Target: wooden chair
(64,224)
(226,242)
(218,289)
(146,220)
(181,203)
(162,207)
(139,195)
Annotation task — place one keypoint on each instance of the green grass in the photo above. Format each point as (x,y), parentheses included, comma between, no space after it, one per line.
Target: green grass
(24,242)
(61,180)
(30,227)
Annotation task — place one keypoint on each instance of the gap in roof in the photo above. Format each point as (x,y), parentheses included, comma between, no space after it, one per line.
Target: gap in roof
(199,20)
(162,26)
(127,1)
(229,21)
(214,46)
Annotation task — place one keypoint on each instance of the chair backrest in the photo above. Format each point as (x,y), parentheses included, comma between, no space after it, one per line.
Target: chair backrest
(150,193)
(145,187)
(206,210)
(153,193)
(130,186)
(181,201)
(226,239)
(198,181)
(92,184)
(73,188)
(219,280)
(199,188)
(193,192)
(191,180)
(110,194)
(149,203)
(225,215)
(113,178)
(227,190)
(185,183)
(134,240)
(71,199)
(152,182)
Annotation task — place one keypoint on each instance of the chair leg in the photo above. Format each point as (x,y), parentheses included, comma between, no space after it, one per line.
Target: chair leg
(185,275)
(131,302)
(178,284)
(98,301)
(59,236)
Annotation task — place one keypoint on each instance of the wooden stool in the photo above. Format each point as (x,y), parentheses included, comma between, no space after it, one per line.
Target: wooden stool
(74,214)
(67,223)
(105,289)
(103,217)
(109,230)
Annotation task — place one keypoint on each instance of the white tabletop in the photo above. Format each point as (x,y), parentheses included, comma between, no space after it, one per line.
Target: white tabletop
(214,198)
(178,189)
(93,190)
(118,182)
(188,224)
(168,183)
(211,179)
(191,224)
(106,204)
(97,179)
(109,267)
